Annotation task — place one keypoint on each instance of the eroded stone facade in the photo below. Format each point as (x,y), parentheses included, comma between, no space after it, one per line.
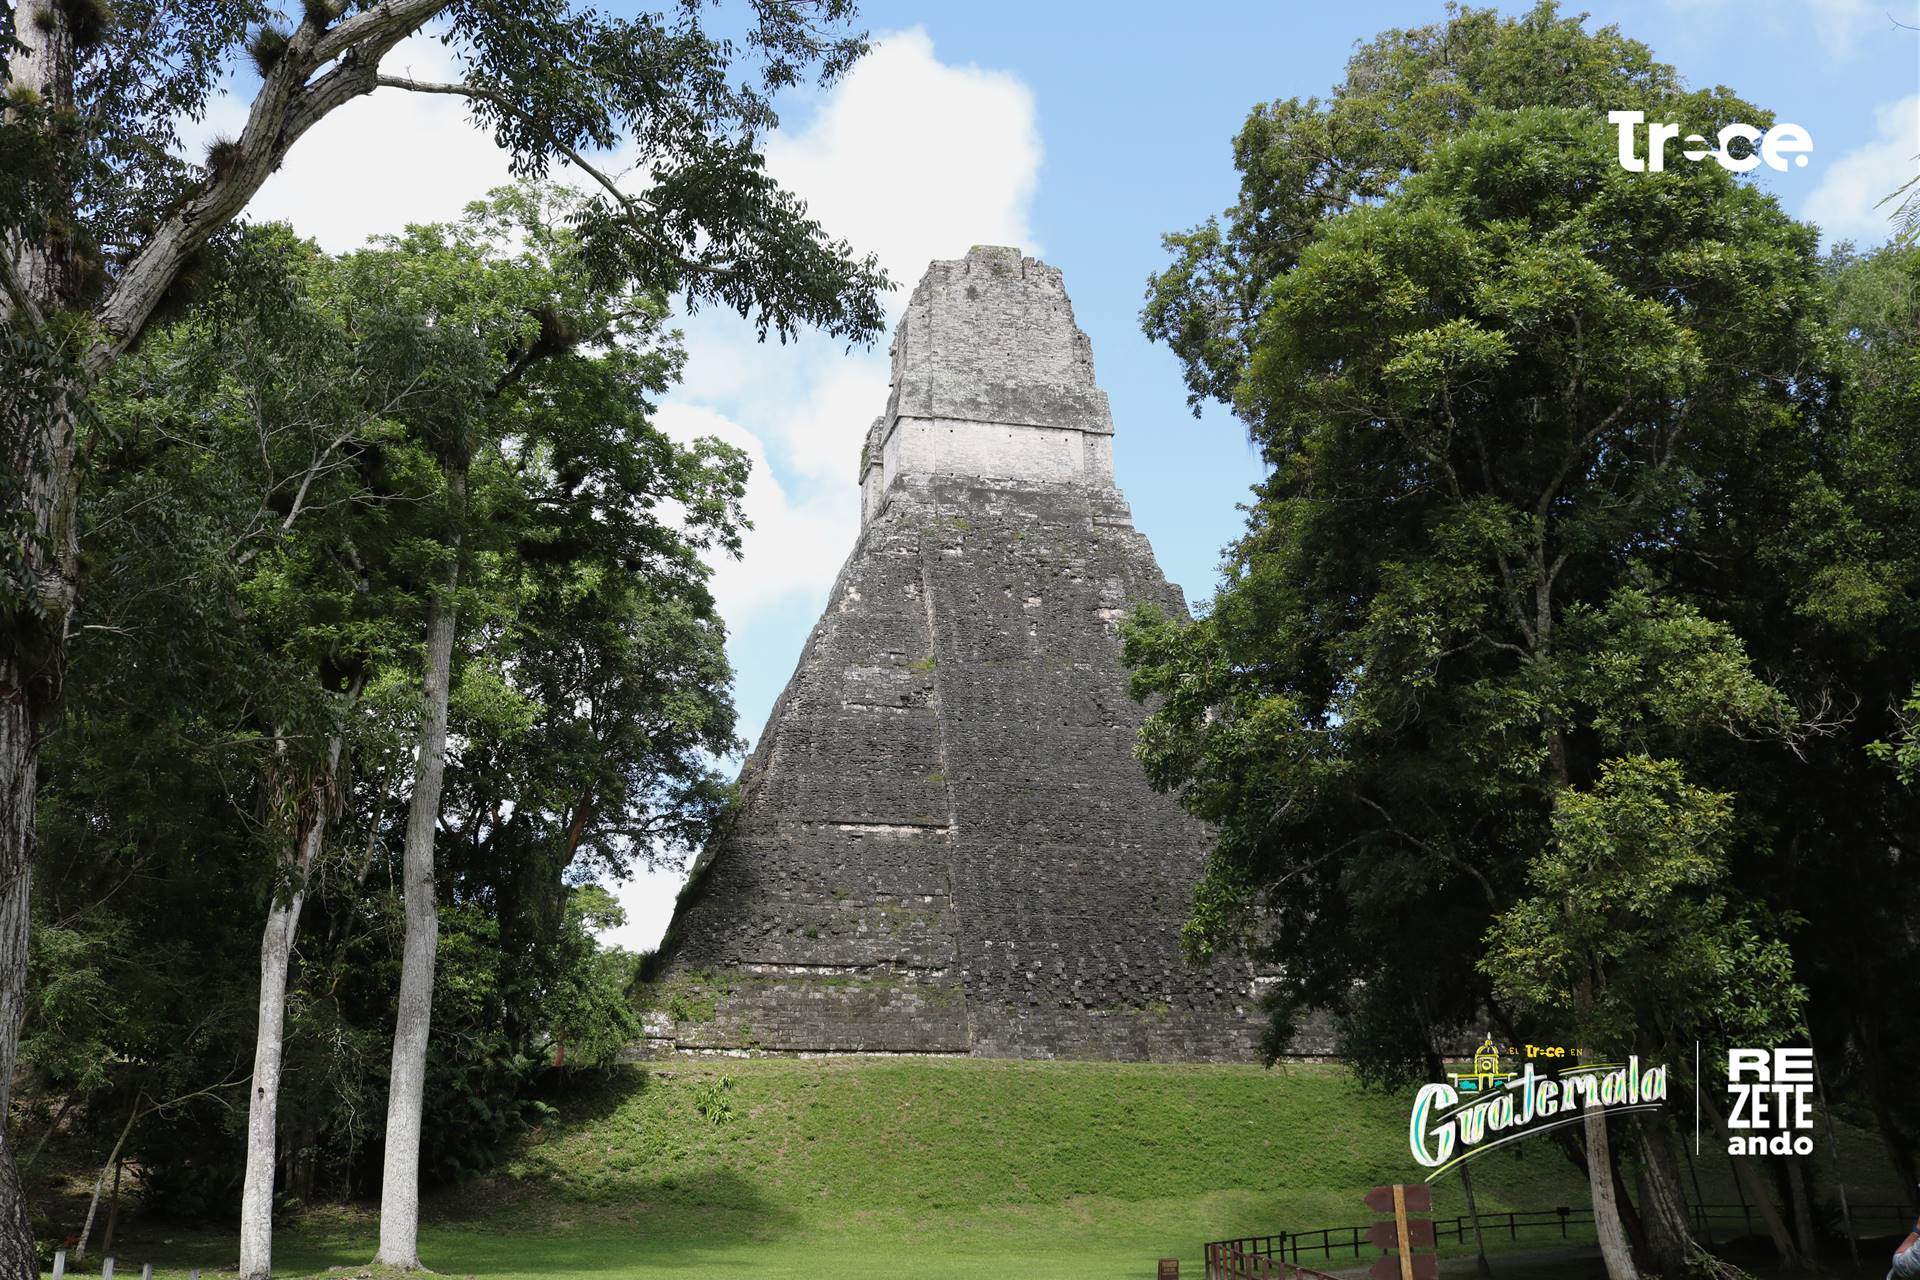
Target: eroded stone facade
(944,843)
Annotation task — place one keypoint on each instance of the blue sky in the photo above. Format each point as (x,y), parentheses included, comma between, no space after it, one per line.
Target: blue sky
(1080,132)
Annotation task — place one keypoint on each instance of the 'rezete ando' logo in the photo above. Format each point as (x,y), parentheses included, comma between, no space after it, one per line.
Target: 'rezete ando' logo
(1490,1107)
(1772,146)
(1772,1095)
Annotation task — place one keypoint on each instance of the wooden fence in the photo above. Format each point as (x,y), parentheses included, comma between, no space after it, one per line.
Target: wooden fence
(1232,1260)
(1327,1243)
(106,1269)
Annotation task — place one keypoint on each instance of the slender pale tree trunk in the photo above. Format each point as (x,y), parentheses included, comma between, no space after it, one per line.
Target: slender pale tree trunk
(1616,1250)
(276,958)
(1754,1190)
(1609,1229)
(1802,1209)
(100,1183)
(413,1021)
(1480,1266)
(1663,1202)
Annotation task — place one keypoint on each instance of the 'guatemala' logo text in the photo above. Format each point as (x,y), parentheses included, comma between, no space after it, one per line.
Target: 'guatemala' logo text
(1490,1107)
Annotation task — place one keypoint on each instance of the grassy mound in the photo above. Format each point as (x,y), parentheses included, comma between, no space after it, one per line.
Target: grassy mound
(932,1167)
(843,1139)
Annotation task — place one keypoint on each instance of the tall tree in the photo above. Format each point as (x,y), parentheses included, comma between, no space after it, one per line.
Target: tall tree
(1490,403)
(111,220)
(271,407)
(553,358)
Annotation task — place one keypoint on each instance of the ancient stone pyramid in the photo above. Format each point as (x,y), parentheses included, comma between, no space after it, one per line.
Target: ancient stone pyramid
(944,843)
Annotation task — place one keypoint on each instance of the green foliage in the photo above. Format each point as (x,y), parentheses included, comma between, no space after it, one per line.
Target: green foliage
(560,81)
(1903,752)
(273,513)
(1492,404)
(710,1099)
(1587,536)
(689,1006)
(1406,92)
(1631,885)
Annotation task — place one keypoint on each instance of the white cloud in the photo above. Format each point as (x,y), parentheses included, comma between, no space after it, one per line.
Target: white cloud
(907,158)
(648,898)
(913,159)
(810,400)
(797,541)
(1850,187)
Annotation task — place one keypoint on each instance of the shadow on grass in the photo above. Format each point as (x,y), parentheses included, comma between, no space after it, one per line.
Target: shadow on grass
(601,1238)
(604,1240)
(589,1097)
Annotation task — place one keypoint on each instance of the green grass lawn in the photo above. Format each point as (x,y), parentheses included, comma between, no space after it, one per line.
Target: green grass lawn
(899,1167)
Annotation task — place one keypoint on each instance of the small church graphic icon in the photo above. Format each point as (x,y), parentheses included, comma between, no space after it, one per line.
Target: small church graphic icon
(1486,1073)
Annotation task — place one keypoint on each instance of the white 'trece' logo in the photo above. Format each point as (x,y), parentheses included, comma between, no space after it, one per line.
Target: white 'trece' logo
(1773,146)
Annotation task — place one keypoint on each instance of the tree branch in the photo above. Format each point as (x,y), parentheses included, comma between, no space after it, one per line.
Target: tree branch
(285,107)
(637,208)
(394,18)
(631,203)
(17,292)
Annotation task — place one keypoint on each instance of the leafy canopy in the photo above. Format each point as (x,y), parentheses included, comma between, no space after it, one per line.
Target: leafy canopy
(1495,405)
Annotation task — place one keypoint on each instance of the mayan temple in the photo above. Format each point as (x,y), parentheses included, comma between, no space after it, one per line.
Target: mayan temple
(944,843)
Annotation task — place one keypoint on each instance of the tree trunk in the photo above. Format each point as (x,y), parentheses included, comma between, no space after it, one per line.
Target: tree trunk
(1480,1266)
(18,1258)
(1663,1202)
(19,770)
(276,959)
(32,659)
(99,1184)
(39,448)
(1616,1250)
(1629,1216)
(113,1210)
(53,1127)
(1699,1196)
(1754,1190)
(1797,1192)
(1609,1228)
(413,1020)
(39,424)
